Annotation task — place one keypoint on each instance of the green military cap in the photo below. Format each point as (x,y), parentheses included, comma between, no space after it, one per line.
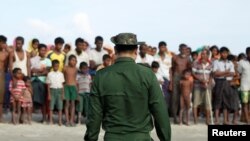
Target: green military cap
(125,39)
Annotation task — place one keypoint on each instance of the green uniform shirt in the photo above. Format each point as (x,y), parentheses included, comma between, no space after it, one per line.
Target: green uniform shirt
(124,97)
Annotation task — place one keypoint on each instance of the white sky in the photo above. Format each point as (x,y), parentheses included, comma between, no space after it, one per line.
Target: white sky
(194,22)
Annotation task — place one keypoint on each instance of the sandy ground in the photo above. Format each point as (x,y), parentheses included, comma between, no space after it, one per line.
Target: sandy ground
(42,132)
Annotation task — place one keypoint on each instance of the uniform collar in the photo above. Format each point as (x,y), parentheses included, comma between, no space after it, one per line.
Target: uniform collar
(124,59)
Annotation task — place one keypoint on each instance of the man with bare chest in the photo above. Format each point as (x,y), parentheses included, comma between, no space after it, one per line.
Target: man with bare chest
(19,58)
(3,65)
(180,63)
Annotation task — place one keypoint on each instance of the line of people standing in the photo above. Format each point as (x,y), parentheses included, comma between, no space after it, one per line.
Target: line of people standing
(39,66)
(218,81)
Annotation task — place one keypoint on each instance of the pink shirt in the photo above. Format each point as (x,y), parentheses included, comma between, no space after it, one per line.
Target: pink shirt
(18,90)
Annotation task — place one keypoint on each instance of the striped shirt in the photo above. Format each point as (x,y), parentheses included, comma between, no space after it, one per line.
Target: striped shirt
(84,82)
(18,89)
(202,71)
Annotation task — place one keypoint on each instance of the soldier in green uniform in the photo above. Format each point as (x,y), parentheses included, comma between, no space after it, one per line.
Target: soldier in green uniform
(125,98)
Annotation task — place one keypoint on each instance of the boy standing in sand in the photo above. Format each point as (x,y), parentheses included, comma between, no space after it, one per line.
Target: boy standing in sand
(70,89)
(83,84)
(186,87)
(55,82)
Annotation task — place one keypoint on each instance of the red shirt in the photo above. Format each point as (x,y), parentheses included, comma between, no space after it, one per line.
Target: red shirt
(18,90)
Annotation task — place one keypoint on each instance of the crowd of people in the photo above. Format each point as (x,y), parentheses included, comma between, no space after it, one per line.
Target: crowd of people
(58,78)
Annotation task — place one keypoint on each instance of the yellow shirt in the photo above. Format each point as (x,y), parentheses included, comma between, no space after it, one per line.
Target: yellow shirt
(60,57)
(30,49)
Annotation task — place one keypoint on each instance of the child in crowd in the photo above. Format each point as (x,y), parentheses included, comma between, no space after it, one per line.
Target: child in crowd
(83,84)
(27,99)
(16,87)
(155,67)
(33,47)
(66,48)
(194,56)
(106,62)
(55,80)
(92,69)
(70,89)
(186,88)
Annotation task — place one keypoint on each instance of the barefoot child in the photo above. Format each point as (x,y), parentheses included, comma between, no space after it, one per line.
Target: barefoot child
(70,89)
(55,80)
(27,99)
(16,88)
(83,84)
(186,88)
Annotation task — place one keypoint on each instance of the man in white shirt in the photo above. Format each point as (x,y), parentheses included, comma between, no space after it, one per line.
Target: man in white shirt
(244,70)
(97,53)
(81,56)
(40,66)
(165,60)
(143,57)
(223,71)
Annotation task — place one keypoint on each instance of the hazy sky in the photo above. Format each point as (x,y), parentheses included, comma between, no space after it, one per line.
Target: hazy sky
(194,22)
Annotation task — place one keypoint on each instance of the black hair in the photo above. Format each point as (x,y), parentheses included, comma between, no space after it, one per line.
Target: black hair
(187,71)
(141,46)
(105,56)
(83,64)
(67,46)
(214,47)
(59,40)
(223,49)
(190,49)
(194,53)
(34,41)
(155,64)
(182,46)
(15,70)
(154,48)
(40,46)
(98,38)
(79,40)
(72,56)
(247,50)
(231,57)
(162,43)
(55,62)
(20,38)
(26,78)
(3,38)
(241,56)
(124,48)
